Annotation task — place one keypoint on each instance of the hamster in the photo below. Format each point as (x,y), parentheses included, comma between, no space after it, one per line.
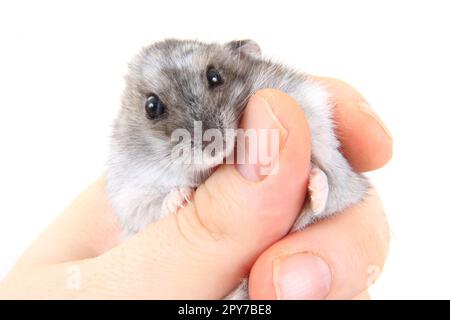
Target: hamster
(173,83)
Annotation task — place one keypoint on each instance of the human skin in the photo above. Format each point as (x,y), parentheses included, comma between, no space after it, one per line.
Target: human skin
(236,224)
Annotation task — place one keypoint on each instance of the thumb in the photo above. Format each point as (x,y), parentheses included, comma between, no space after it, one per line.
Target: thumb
(207,247)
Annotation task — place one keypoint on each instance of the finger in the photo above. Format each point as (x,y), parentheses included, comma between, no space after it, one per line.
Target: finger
(362,296)
(365,140)
(336,258)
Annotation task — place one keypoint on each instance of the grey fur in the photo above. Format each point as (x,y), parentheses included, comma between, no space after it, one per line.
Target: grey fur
(140,172)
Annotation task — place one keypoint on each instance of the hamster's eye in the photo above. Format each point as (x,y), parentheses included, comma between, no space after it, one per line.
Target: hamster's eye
(154,107)
(214,78)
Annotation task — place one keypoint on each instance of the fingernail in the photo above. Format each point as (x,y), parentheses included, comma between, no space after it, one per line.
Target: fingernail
(365,108)
(301,276)
(259,158)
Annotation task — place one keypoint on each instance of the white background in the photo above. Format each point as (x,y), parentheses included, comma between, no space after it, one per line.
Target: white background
(61,67)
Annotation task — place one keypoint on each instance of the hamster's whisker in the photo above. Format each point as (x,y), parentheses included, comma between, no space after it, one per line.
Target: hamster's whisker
(165,168)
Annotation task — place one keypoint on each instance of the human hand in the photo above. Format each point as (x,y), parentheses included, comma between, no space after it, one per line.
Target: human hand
(206,248)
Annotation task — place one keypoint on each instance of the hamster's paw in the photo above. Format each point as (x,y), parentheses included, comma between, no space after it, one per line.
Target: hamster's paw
(176,199)
(318,190)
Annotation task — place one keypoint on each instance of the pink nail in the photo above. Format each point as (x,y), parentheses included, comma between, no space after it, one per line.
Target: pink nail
(259,117)
(301,276)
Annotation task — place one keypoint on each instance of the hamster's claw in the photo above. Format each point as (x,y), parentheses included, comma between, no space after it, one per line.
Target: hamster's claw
(176,198)
(318,190)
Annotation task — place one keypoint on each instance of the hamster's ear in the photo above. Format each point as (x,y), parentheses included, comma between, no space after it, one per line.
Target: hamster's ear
(247,46)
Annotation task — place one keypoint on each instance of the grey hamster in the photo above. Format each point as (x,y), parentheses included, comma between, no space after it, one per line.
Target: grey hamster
(172,83)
